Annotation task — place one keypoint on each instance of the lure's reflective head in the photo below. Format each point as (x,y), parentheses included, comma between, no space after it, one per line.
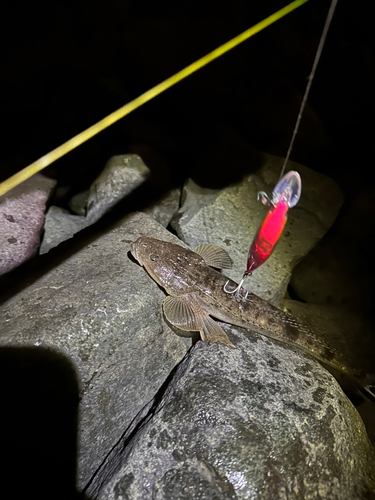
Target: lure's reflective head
(288,189)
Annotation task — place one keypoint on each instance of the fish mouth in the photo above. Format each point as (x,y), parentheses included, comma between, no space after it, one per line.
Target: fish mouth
(140,249)
(133,251)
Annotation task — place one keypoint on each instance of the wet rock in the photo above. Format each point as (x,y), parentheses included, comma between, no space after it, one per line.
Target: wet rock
(230,218)
(102,311)
(120,177)
(22,218)
(259,418)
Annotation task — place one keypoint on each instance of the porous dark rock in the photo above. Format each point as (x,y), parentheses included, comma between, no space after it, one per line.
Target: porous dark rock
(121,175)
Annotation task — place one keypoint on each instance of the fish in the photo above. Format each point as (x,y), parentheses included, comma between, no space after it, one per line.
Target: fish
(196,295)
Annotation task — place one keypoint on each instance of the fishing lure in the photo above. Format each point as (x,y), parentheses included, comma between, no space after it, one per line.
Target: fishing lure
(285,195)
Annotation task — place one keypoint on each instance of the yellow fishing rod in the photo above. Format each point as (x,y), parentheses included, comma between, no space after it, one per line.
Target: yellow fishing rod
(109,120)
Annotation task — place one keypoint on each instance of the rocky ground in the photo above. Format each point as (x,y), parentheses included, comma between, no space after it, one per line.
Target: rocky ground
(86,351)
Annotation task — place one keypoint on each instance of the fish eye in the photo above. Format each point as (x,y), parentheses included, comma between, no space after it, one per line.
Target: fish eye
(154,257)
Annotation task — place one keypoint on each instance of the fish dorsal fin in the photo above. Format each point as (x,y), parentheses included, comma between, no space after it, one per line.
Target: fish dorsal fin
(214,256)
(180,311)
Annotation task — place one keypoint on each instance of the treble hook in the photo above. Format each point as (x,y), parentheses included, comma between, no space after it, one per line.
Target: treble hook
(237,290)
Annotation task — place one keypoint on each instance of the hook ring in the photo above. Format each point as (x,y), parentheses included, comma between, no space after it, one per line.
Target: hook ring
(237,291)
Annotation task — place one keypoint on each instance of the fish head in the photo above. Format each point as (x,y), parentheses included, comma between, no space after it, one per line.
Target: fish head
(170,265)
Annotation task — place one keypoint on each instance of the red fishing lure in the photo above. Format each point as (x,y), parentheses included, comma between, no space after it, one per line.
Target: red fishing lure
(285,195)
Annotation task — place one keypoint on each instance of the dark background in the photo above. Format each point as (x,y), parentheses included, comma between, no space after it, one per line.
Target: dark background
(67,64)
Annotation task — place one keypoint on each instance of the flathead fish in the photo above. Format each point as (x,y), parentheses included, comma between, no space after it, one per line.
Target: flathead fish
(196,295)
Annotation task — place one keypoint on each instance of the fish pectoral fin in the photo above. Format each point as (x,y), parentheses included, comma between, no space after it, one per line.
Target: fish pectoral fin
(214,256)
(180,312)
(211,332)
(185,315)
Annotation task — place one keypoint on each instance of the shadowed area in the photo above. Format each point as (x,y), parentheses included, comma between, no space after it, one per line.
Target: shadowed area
(38,422)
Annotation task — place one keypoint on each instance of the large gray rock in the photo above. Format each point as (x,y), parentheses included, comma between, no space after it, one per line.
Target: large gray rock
(230,218)
(261,421)
(103,312)
(120,177)
(21,220)
(60,225)
(350,335)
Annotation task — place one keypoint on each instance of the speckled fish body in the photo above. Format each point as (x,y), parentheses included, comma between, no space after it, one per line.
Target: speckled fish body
(196,291)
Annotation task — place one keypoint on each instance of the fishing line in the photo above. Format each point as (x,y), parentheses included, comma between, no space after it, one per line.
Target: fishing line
(87,134)
(311,77)
(285,195)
